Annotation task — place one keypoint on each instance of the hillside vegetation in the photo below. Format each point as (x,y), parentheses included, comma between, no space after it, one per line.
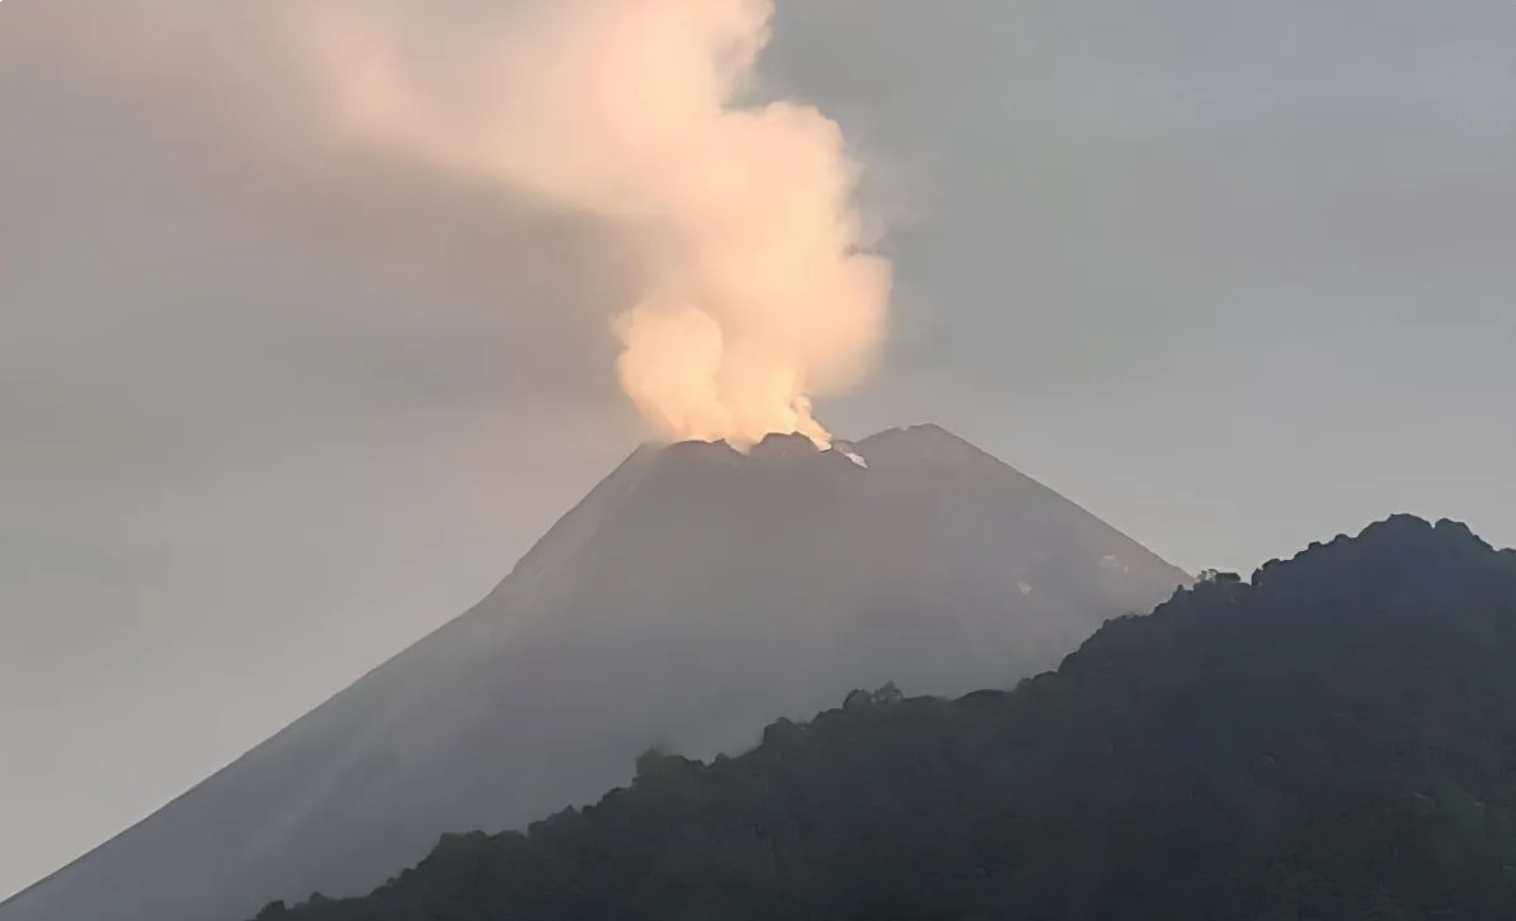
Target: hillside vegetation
(1334,739)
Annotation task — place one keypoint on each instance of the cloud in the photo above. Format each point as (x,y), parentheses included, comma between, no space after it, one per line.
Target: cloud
(751,289)
(611,154)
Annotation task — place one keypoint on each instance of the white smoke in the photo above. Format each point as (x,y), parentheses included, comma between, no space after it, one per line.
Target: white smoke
(754,294)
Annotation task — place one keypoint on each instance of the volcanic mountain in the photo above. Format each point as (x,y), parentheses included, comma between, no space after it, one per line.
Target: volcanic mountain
(1331,740)
(693,596)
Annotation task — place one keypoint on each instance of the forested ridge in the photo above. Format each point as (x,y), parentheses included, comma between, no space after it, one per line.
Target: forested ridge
(1333,739)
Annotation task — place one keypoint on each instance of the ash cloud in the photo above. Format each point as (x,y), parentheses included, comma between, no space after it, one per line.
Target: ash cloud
(711,235)
(752,288)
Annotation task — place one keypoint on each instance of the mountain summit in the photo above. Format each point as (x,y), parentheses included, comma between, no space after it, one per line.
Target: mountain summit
(693,596)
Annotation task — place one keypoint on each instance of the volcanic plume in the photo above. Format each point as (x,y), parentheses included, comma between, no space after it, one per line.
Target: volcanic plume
(754,290)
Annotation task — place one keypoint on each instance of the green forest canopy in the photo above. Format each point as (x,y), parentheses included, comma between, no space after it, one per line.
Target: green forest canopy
(1334,739)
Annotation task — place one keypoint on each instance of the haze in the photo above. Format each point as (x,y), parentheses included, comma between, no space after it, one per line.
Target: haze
(1230,277)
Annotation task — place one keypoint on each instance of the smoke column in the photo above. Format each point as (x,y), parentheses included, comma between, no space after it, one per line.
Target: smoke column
(754,294)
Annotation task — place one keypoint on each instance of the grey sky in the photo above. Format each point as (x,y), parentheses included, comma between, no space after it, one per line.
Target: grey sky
(1233,277)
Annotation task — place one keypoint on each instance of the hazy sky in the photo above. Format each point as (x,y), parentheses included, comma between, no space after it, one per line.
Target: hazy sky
(1233,277)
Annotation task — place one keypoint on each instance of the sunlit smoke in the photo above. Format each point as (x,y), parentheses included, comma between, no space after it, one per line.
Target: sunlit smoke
(754,292)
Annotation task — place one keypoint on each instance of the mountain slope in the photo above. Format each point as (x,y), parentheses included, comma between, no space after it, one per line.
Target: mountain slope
(694,595)
(1335,740)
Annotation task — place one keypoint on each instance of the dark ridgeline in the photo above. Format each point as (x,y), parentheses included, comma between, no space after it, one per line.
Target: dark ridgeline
(694,596)
(1334,740)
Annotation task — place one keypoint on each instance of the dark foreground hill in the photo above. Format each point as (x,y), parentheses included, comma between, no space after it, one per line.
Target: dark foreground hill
(694,596)
(1334,740)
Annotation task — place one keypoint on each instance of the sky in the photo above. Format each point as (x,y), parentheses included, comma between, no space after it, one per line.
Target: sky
(1233,277)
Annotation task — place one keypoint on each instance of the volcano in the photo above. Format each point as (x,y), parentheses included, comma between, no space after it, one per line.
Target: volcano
(691,598)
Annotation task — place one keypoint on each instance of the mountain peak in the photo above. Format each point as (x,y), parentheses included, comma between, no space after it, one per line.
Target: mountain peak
(1415,531)
(926,445)
(694,595)
(1401,557)
(717,451)
(780,445)
(928,435)
(1394,547)
(909,446)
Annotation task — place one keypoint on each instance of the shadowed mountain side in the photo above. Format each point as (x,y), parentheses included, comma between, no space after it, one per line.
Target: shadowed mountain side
(1333,741)
(696,594)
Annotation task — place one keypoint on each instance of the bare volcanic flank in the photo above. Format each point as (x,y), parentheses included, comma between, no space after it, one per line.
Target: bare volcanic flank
(693,596)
